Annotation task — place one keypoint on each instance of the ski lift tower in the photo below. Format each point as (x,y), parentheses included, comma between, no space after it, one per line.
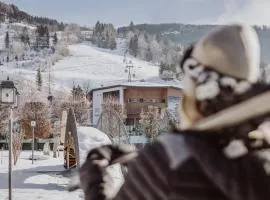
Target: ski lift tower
(50,97)
(128,67)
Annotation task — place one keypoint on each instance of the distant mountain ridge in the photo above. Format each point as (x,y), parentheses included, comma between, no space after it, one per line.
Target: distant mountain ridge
(186,34)
(14,14)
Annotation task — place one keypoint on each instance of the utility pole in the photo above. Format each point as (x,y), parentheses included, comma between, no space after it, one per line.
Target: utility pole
(129,66)
(50,97)
(10,156)
(33,124)
(2,149)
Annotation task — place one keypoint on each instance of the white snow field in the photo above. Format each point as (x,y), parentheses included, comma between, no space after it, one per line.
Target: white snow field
(98,66)
(46,179)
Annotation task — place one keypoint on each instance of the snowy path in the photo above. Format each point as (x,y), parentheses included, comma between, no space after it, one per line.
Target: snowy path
(45,178)
(42,180)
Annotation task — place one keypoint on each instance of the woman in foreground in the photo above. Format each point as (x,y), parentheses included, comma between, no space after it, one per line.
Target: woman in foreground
(220,150)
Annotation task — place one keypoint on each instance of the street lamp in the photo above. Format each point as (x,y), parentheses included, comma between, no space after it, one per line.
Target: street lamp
(33,125)
(9,96)
(56,138)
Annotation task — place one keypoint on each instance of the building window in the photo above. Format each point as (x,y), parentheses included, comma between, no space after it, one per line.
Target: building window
(113,96)
(132,100)
(148,101)
(141,100)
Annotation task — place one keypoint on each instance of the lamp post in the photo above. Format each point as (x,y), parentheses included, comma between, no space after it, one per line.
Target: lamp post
(9,96)
(55,138)
(33,125)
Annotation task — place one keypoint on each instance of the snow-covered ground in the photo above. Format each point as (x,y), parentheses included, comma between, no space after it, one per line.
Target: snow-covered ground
(42,180)
(98,66)
(47,178)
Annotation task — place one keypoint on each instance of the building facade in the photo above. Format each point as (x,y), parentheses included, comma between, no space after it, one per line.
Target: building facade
(135,98)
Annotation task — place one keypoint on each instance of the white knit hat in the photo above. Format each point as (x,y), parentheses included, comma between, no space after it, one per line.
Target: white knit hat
(232,50)
(232,53)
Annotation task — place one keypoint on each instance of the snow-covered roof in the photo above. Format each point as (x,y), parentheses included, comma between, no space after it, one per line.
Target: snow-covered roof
(144,84)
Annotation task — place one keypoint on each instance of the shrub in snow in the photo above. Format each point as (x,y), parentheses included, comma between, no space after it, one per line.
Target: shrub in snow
(40,112)
(150,122)
(113,117)
(55,58)
(4,116)
(46,149)
(81,109)
(61,49)
(17,141)
(167,75)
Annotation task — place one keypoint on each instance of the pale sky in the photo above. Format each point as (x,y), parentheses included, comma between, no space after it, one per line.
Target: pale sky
(121,12)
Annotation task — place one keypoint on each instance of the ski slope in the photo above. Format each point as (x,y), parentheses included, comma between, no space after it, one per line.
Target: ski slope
(96,66)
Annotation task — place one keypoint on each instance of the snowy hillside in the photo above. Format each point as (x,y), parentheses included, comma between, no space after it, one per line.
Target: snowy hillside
(90,64)
(86,64)
(186,34)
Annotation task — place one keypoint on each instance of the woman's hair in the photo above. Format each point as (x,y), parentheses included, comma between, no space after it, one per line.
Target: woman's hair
(227,97)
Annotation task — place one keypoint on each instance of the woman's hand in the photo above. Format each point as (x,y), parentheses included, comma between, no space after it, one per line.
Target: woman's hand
(95,180)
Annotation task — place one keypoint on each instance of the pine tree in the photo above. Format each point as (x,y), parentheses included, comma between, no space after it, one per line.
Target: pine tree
(104,36)
(38,36)
(24,36)
(133,45)
(148,55)
(61,26)
(39,80)
(7,41)
(73,91)
(131,26)
(47,36)
(55,39)
(79,92)
(42,37)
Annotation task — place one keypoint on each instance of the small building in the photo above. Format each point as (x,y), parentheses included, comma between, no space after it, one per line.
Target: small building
(136,96)
(87,35)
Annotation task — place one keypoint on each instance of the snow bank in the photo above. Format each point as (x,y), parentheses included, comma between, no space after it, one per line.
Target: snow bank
(90,138)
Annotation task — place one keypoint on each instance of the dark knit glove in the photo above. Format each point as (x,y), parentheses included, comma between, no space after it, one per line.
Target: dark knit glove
(95,180)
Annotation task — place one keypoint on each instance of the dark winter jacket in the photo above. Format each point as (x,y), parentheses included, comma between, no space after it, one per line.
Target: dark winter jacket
(188,168)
